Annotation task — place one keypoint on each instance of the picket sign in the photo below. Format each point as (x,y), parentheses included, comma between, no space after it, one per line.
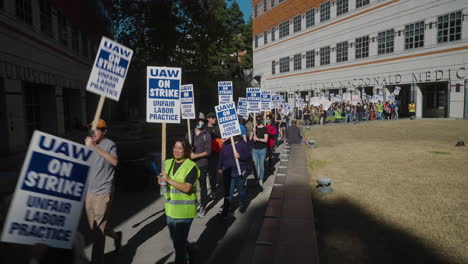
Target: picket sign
(187,104)
(163,100)
(229,125)
(49,195)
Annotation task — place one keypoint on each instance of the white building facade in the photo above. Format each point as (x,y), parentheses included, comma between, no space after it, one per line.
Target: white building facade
(318,48)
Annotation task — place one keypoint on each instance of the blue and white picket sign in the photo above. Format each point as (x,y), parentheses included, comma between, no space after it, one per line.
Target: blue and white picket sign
(48,199)
(253,100)
(225,92)
(227,120)
(242,107)
(110,69)
(265,101)
(187,101)
(163,94)
(397,90)
(275,100)
(286,109)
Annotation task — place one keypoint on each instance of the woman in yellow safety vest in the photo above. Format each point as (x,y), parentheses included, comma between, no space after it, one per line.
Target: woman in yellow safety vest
(181,176)
(412,110)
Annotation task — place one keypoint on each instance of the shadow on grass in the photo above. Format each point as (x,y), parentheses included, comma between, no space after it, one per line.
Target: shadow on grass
(349,234)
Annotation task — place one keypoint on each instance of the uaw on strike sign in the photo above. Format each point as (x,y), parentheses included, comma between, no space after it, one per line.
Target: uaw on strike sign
(227,120)
(163,94)
(225,94)
(110,69)
(187,102)
(48,199)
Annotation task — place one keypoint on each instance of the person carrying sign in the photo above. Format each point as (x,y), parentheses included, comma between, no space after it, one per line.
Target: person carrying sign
(259,137)
(181,176)
(216,144)
(412,110)
(100,190)
(201,150)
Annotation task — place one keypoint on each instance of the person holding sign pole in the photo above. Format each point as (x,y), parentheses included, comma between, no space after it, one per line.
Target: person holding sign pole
(201,150)
(216,144)
(259,136)
(100,189)
(232,180)
(181,176)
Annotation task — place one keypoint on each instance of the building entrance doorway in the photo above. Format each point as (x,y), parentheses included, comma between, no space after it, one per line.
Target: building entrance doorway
(435,99)
(403,98)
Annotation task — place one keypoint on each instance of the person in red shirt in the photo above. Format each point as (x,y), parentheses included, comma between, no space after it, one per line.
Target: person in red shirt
(272,131)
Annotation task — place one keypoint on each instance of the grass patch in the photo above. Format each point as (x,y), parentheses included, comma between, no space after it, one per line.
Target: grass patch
(317,164)
(441,152)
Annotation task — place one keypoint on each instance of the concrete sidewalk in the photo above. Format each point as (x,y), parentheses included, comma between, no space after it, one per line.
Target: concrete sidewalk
(146,237)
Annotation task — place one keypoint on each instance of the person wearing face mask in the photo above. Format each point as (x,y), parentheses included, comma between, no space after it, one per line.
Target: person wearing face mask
(271,128)
(201,150)
(180,175)
(259,136)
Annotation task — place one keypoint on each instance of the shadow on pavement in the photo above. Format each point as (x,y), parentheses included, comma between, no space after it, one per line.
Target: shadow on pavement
(349,234)
(128,251)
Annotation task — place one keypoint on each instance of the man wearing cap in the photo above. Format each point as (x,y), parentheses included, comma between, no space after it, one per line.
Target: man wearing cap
(216,144)
(100,189)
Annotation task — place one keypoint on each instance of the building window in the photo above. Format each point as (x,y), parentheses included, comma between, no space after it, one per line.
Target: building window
(265,37)
(75,39)
(84,45)
(265,8)
(24,10)
(310,17)
(297,61)
(256,10)
(46,17)
(362,47)
(273,33)
(284,29)
(325,11)
(284,64)
(414,35)
(256,41)
(62,28)
(280,1)
(272,3)
(361,3)
(325,55)
(273,68)
(341,7)
(342,51)
(449,27)
(385,42)
(297,23)
(310,59)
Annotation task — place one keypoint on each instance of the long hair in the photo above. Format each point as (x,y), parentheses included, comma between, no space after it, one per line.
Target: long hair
(186,145)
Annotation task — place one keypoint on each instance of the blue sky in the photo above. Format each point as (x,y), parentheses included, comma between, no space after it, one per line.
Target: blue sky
(245,6)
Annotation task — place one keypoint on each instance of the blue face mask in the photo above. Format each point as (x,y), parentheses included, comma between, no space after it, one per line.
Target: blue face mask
(200,125)
(267,121)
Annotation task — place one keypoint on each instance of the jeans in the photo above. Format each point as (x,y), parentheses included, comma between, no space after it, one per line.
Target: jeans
(258,156)
(396,113)
(348,117)
(179,230)
(213,170)
(367,116)
(203,186)
(379,116)
(237,182)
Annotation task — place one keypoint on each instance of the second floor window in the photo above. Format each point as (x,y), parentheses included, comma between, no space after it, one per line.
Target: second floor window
(325,55)
(256,10)
(256,41)
(273,33)
(46,17)
(265,37)
(449,27)
(385,42)
(284,64)
(273,67)
(341,7)
(297,23)
(310,17)
(362,47)
(342,51)
(361,3)
(297,61)
(325,11)
(24,10)
(62,28)
(284,29)
(265,7)
(310,59)
(414,35)
(272,3)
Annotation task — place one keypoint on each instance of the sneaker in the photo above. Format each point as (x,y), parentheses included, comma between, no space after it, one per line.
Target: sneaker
(213,195)
(242,208)
(260,183)
(201,212)
(118,242)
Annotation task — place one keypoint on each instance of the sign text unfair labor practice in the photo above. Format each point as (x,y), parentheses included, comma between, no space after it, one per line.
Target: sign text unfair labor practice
(110,69)
(48,198)
(187,101)
(163,95)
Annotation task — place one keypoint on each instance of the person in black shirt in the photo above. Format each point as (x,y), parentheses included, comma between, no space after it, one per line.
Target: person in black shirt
(259,136)
(216,144)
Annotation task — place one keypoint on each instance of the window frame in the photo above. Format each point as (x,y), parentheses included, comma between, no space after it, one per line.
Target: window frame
(23,11)
(273,67)
(297,62)
(325,11)
(413,40)
(342,7)
(342,51)
(283,27)
(273,34)
(310,17)
(310,59)
(447,31)
(325,57)
(284,67)
(361,3)
(45,13)
(297,23)
(361,47)
(388,46)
